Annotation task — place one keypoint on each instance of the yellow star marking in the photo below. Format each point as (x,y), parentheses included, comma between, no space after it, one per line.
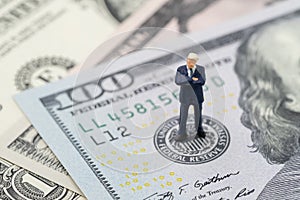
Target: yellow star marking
(169,183)
(172,173)
(113,152)
(103,156)
(138,141)
(209,103)
(125,145)
(98,158)
(126,169)
(128,154)
(121,185)
(139,187)
(133,189)
(120,158)
(109,162)
(145,169)
(147,184)
(134,173)
(162,185)
(233,107)
(144,125)
(102,164)
(143,150)
(231,94)
(127,183)
(135,166)
(135,180)
(130,143)
(152,122)
(155,179)
(175,110)
(135,152)
(145,163)
(179,179)
(161,177)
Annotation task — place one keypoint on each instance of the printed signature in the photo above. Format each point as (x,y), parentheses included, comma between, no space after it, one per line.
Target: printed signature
(214,179)
(163,196)
(244,192)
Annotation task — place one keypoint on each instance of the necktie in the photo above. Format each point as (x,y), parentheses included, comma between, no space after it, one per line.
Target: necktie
(191,72)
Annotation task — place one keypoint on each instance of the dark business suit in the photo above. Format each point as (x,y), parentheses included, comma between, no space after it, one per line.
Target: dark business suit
(191,93)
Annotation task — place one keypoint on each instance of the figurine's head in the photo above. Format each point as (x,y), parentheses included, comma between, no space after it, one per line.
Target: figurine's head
(191,60)
(268,66)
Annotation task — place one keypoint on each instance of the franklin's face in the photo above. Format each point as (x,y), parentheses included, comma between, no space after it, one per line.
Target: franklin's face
(280,46)
(190,63)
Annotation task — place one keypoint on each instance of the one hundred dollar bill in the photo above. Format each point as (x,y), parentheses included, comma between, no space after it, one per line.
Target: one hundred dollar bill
(114,132)
(21,143)
(41,41)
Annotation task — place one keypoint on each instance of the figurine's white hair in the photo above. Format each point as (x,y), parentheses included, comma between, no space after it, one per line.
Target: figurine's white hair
(193,56)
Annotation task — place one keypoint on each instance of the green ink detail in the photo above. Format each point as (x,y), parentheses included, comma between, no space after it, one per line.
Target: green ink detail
(84,130)
(97,125)
(154,107)
(175,94)
(116,117)
(125,111)
(218,81)
(165,99)
(140,108)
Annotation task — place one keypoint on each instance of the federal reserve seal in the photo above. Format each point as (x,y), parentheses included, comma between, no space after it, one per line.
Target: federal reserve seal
(42,70)
(193,150)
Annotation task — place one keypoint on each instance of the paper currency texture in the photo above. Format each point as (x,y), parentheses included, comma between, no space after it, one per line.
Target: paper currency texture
(112,127)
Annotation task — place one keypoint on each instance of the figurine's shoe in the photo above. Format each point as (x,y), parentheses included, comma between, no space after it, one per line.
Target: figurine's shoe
(201,134)
(180,137)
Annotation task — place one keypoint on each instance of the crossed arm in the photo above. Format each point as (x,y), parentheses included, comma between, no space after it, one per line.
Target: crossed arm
(182,79)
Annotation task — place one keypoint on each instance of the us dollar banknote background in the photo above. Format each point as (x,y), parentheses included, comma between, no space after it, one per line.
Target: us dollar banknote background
(270,102)
(43,27)
(31,145)
(104,140)
(181,16)
(18,183)
(21,143)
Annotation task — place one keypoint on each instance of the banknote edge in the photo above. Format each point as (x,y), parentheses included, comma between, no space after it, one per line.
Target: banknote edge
(211,44)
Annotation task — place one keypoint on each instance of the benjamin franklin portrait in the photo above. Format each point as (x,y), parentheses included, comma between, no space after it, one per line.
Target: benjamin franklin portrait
(268,68)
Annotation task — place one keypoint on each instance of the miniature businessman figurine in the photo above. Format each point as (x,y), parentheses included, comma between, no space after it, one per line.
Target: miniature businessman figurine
(190,78)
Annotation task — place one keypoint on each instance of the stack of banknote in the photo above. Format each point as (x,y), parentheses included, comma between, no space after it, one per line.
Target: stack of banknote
(89,105)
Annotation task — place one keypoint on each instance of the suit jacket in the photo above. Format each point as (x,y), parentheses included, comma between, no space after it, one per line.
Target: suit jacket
(190,90)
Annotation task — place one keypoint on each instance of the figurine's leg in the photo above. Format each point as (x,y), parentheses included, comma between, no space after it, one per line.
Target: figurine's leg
(184,108)
(198,116)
